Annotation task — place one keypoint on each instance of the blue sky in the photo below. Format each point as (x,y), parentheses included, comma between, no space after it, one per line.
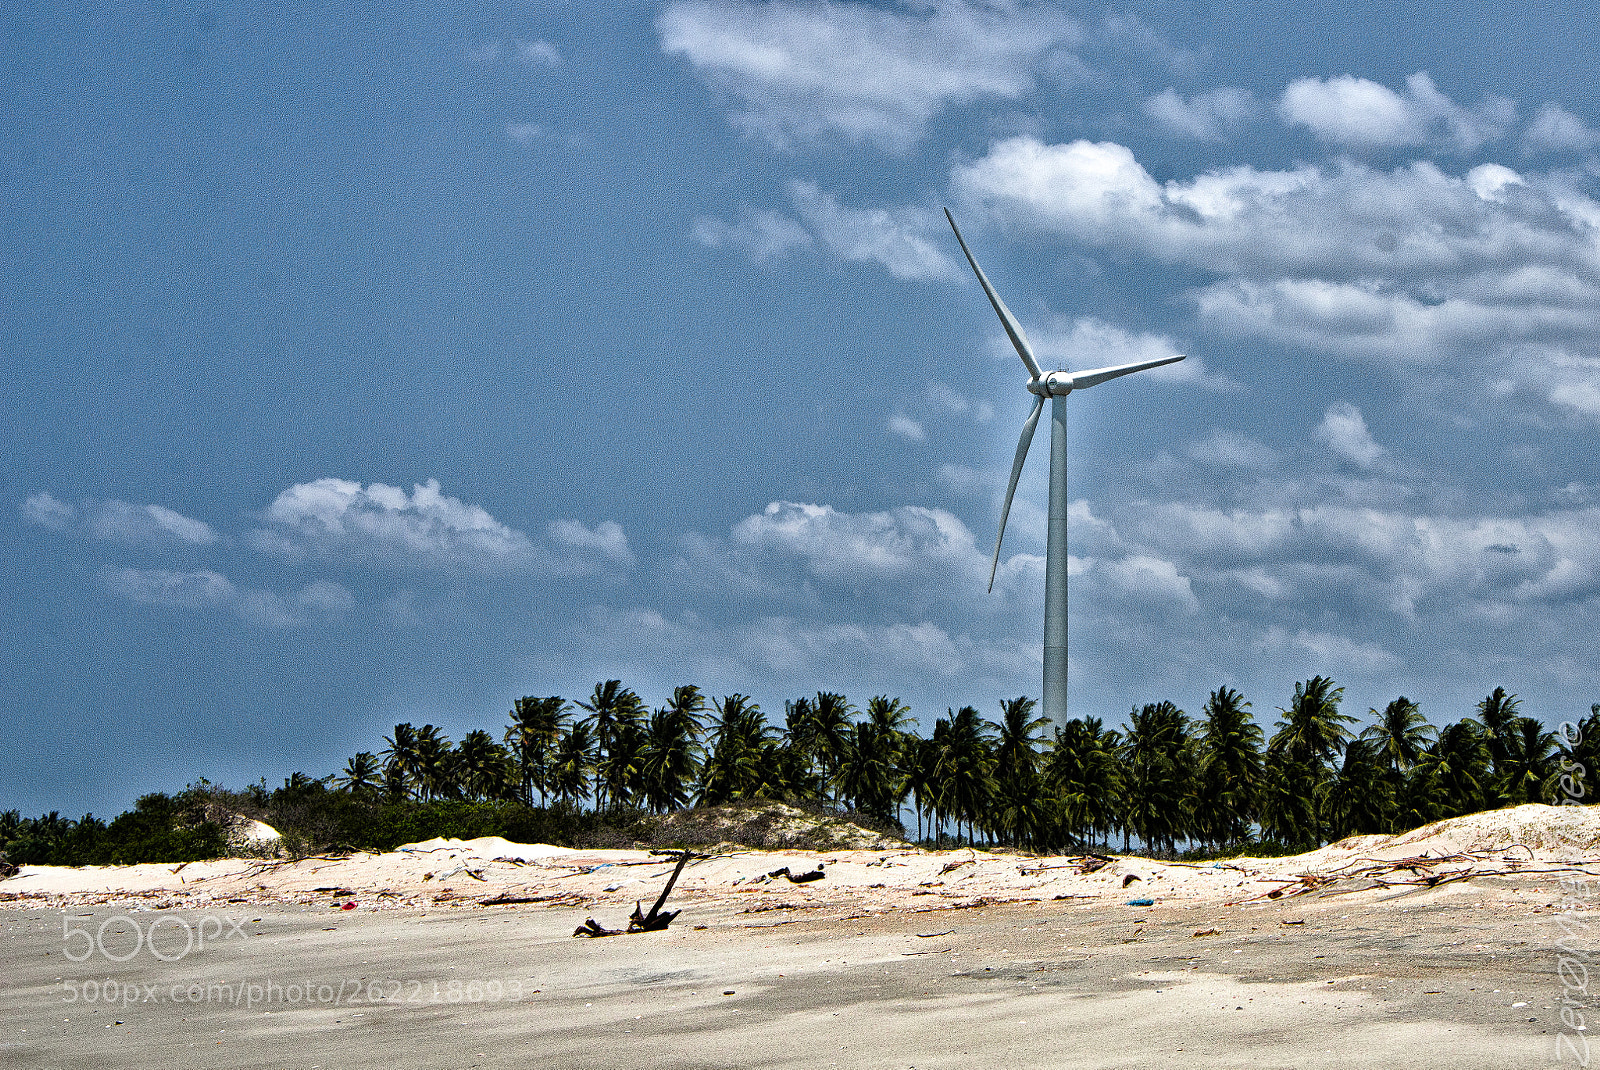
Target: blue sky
(365,368)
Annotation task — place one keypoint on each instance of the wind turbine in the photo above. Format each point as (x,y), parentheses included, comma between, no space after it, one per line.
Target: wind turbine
(1055,385)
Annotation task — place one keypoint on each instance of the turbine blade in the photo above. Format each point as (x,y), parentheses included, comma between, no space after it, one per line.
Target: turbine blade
(1100,375)
(1013,328)
(1016,473)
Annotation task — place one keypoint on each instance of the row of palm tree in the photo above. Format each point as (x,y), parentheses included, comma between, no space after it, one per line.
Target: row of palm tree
(1164,778)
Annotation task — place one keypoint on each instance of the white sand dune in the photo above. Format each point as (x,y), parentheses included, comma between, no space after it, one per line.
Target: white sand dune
(495,870)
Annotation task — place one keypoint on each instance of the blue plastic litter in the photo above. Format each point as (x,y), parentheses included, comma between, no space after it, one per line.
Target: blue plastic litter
(1141,902)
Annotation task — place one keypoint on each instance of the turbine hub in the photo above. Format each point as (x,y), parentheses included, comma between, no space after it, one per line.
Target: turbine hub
(1051,385)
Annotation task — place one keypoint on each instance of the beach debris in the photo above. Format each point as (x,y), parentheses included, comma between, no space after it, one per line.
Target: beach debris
(1130,878)
(8,868)
(925,936)
(1292,921)
(639,921)
(798,878)
(1141,903)
(951,867)
(1207,932)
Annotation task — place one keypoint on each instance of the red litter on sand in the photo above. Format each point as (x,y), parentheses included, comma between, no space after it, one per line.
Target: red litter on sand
(349,906)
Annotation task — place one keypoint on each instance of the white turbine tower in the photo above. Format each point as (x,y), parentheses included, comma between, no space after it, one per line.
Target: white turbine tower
(1055,385)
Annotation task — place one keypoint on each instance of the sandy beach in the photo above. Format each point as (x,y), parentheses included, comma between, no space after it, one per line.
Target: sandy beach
(1437,947)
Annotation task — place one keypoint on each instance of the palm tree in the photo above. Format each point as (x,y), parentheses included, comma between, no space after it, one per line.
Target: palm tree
(1400,733)
(1300,757)
(1017,770)
(1449,779)
(889,718)
(571,764)
(1357,800)
(536,726)
(1229,774)
(1158,777)
(965,773)
(1085,775)
(435,765)
(485,768)
(1497,713)
(671,750)
(739,765)
(1017,754)
(1579,760)
(362,775)
(819,730)
(1528,771)
(615,711)
(403,759)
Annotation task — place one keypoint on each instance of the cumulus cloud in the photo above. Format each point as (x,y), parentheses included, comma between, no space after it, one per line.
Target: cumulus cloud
(538,53)
(1359,114)
(383,525)
(117,521)
(1229,449)
(900,239)
(1482,275)
(203,589)
(1208,116)
(1344,431)
(904,241)
(1346,222)
(1086,342)
(806,72)
(1554,129)
(761,234)
(535,53)
(906,428)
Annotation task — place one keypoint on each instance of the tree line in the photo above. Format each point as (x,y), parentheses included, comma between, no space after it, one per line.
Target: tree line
(593,773)
(1215,780)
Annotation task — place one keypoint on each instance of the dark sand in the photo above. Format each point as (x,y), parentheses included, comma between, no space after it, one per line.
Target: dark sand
(1427,978)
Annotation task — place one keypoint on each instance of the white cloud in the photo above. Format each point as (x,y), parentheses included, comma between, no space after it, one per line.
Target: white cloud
(1344,430)
(761,234)
(1086,342)
(1554,129)
(901,239)
(383,525)
(604,542)
(46,510)
(1209,116)
(538,53)
(1230,449)
(1347,222)
(116,521)
(203,589)
(1336,654)
(790,655)
(850,547)
(1359,114)
(906,428)
(805,72)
